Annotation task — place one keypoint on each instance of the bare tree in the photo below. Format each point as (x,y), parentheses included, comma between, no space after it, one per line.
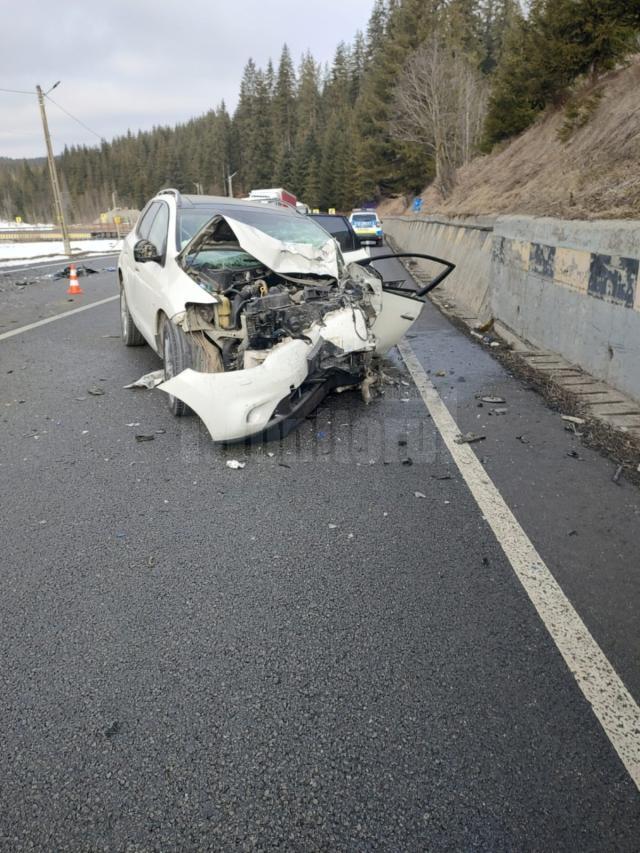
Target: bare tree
(440,102)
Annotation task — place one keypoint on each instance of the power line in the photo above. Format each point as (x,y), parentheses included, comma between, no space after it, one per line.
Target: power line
(18,91)
(81,123)
(59,106)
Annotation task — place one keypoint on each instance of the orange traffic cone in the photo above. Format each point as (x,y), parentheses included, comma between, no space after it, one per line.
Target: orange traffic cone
(74,287)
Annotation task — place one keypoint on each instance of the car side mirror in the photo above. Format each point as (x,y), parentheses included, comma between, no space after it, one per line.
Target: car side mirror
(144,251)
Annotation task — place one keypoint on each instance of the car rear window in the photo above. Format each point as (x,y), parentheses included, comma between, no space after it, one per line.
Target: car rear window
(338,227)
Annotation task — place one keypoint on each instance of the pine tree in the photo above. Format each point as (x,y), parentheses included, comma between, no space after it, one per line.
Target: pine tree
(511,105)
(406,25)
(376,31)
(284,102)
(258,160)
(358,65)
(243,124)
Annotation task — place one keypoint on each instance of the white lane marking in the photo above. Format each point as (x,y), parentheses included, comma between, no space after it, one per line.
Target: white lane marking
(602,687)
(44,322)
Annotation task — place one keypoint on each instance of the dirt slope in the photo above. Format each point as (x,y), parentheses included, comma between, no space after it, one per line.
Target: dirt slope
(594,174)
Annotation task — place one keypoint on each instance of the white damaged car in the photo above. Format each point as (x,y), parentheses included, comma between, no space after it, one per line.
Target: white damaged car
(254,310)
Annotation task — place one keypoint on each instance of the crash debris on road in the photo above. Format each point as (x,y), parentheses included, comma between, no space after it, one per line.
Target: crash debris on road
(81,270)
(148,381)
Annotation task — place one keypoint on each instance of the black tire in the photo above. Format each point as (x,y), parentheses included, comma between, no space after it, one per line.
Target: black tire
(181,351)
(131,335)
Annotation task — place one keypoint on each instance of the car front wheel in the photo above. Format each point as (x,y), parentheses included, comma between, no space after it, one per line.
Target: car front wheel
(181,351)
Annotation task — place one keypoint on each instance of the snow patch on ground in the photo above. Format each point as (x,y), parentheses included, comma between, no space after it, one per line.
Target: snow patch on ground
(13,254)
(6,225)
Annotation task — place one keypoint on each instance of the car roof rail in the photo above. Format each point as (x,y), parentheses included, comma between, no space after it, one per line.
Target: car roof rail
(278,202)
(170,191)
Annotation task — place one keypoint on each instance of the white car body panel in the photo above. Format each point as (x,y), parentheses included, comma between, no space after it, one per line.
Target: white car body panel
(396,317)
(356,255)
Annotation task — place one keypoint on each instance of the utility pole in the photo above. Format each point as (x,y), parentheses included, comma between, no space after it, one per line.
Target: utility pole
(55,186)
(230,183)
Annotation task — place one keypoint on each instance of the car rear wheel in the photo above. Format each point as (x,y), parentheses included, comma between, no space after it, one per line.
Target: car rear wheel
(181,351)
(131,336)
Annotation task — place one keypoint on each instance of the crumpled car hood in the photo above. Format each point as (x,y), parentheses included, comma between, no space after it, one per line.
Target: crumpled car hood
(280,256)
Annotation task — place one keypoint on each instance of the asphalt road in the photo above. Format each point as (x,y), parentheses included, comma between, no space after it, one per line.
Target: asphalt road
(300,655)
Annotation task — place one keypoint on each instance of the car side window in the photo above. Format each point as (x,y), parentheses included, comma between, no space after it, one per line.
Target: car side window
(144,225)
(159,229)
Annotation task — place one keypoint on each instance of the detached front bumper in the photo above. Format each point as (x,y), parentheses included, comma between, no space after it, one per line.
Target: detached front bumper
(238,404)
(243,403)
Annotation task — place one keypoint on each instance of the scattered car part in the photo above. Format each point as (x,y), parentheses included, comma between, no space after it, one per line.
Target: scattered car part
(81,270)
(149,380)
(469,438)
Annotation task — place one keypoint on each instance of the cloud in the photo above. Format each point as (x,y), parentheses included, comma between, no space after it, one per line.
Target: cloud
(133,65)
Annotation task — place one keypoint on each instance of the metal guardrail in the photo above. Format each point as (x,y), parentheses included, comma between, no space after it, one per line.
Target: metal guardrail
(76,232)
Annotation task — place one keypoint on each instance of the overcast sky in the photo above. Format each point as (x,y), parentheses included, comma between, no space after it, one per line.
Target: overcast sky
(135,63)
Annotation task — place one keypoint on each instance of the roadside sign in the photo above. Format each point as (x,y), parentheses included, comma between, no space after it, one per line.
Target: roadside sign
(332,211)
(117,220)
(316,210)
(18,219)
(103,217)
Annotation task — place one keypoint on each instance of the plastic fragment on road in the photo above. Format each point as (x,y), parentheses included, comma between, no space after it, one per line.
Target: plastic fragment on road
(145,437)
(95,391)
(490,399)
(235,464)
(469,438)
(572,419)
(419,495)
(149,380)
(81,270)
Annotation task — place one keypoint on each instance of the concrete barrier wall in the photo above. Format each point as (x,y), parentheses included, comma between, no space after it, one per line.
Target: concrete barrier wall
(468,246)
(567,286)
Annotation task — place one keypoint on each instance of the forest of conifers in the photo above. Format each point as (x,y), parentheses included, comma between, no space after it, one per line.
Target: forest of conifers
(428,85)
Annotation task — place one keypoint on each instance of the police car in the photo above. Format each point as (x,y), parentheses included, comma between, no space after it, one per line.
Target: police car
(367,226)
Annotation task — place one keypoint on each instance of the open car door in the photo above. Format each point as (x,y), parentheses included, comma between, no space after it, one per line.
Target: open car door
(401,305)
